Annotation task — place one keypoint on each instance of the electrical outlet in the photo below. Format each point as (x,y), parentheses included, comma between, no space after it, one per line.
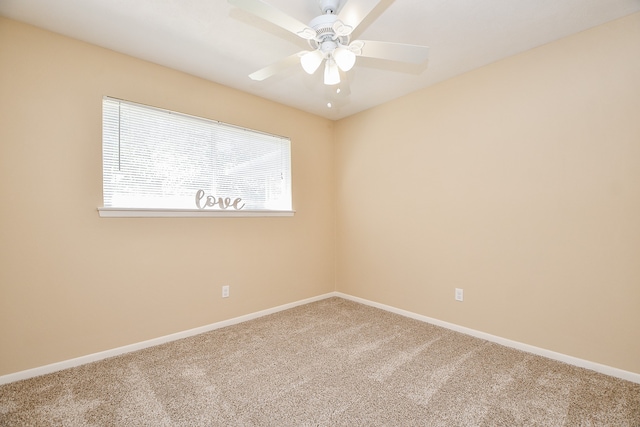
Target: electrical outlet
(225,291)
(459,294)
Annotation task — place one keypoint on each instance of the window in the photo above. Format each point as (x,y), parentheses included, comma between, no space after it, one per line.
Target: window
(156,160)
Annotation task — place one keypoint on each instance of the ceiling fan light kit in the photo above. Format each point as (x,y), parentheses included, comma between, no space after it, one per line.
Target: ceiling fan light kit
(329,38)
(345,58)
(328,43)
(331,72)
(311,61)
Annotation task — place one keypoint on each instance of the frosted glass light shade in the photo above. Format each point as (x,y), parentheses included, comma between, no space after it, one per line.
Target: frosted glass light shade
(344,58)
(311,61)
(331,73)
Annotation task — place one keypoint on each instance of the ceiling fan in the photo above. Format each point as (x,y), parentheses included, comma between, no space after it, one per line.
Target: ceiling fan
(329,36)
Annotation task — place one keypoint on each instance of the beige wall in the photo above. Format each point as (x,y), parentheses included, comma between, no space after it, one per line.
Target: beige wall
(72,283)
(518,182)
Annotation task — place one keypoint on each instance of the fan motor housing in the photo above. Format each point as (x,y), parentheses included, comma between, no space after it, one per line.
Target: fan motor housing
(323,26)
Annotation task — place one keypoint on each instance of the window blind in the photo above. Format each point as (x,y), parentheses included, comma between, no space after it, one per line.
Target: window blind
(155,158)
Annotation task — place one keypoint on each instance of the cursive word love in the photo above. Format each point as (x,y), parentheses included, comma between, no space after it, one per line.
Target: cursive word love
(212,201)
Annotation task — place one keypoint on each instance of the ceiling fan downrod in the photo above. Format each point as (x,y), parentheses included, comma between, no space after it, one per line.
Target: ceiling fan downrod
(329,6)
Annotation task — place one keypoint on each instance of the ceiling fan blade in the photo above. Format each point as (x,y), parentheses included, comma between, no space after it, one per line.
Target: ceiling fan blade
(412,53)
(355,11)
(281,65)
(275,16)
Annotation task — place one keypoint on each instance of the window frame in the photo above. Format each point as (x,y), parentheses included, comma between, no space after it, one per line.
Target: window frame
(149,212)
(107,212)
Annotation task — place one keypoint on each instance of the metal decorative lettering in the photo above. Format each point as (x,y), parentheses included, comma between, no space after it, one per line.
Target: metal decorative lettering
(212,201)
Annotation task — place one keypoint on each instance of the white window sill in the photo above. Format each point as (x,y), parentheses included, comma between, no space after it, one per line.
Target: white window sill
(186,213)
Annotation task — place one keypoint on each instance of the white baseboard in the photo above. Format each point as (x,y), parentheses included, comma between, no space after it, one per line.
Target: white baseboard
(54,367)
(603,369)
(71,363)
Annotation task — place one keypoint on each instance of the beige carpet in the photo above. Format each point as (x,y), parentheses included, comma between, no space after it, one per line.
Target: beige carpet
(329,363)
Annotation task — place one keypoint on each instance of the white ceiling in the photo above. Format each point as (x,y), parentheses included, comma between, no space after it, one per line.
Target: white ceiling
(216,41)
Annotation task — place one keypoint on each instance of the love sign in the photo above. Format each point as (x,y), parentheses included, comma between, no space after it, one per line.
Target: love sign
(212,201)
